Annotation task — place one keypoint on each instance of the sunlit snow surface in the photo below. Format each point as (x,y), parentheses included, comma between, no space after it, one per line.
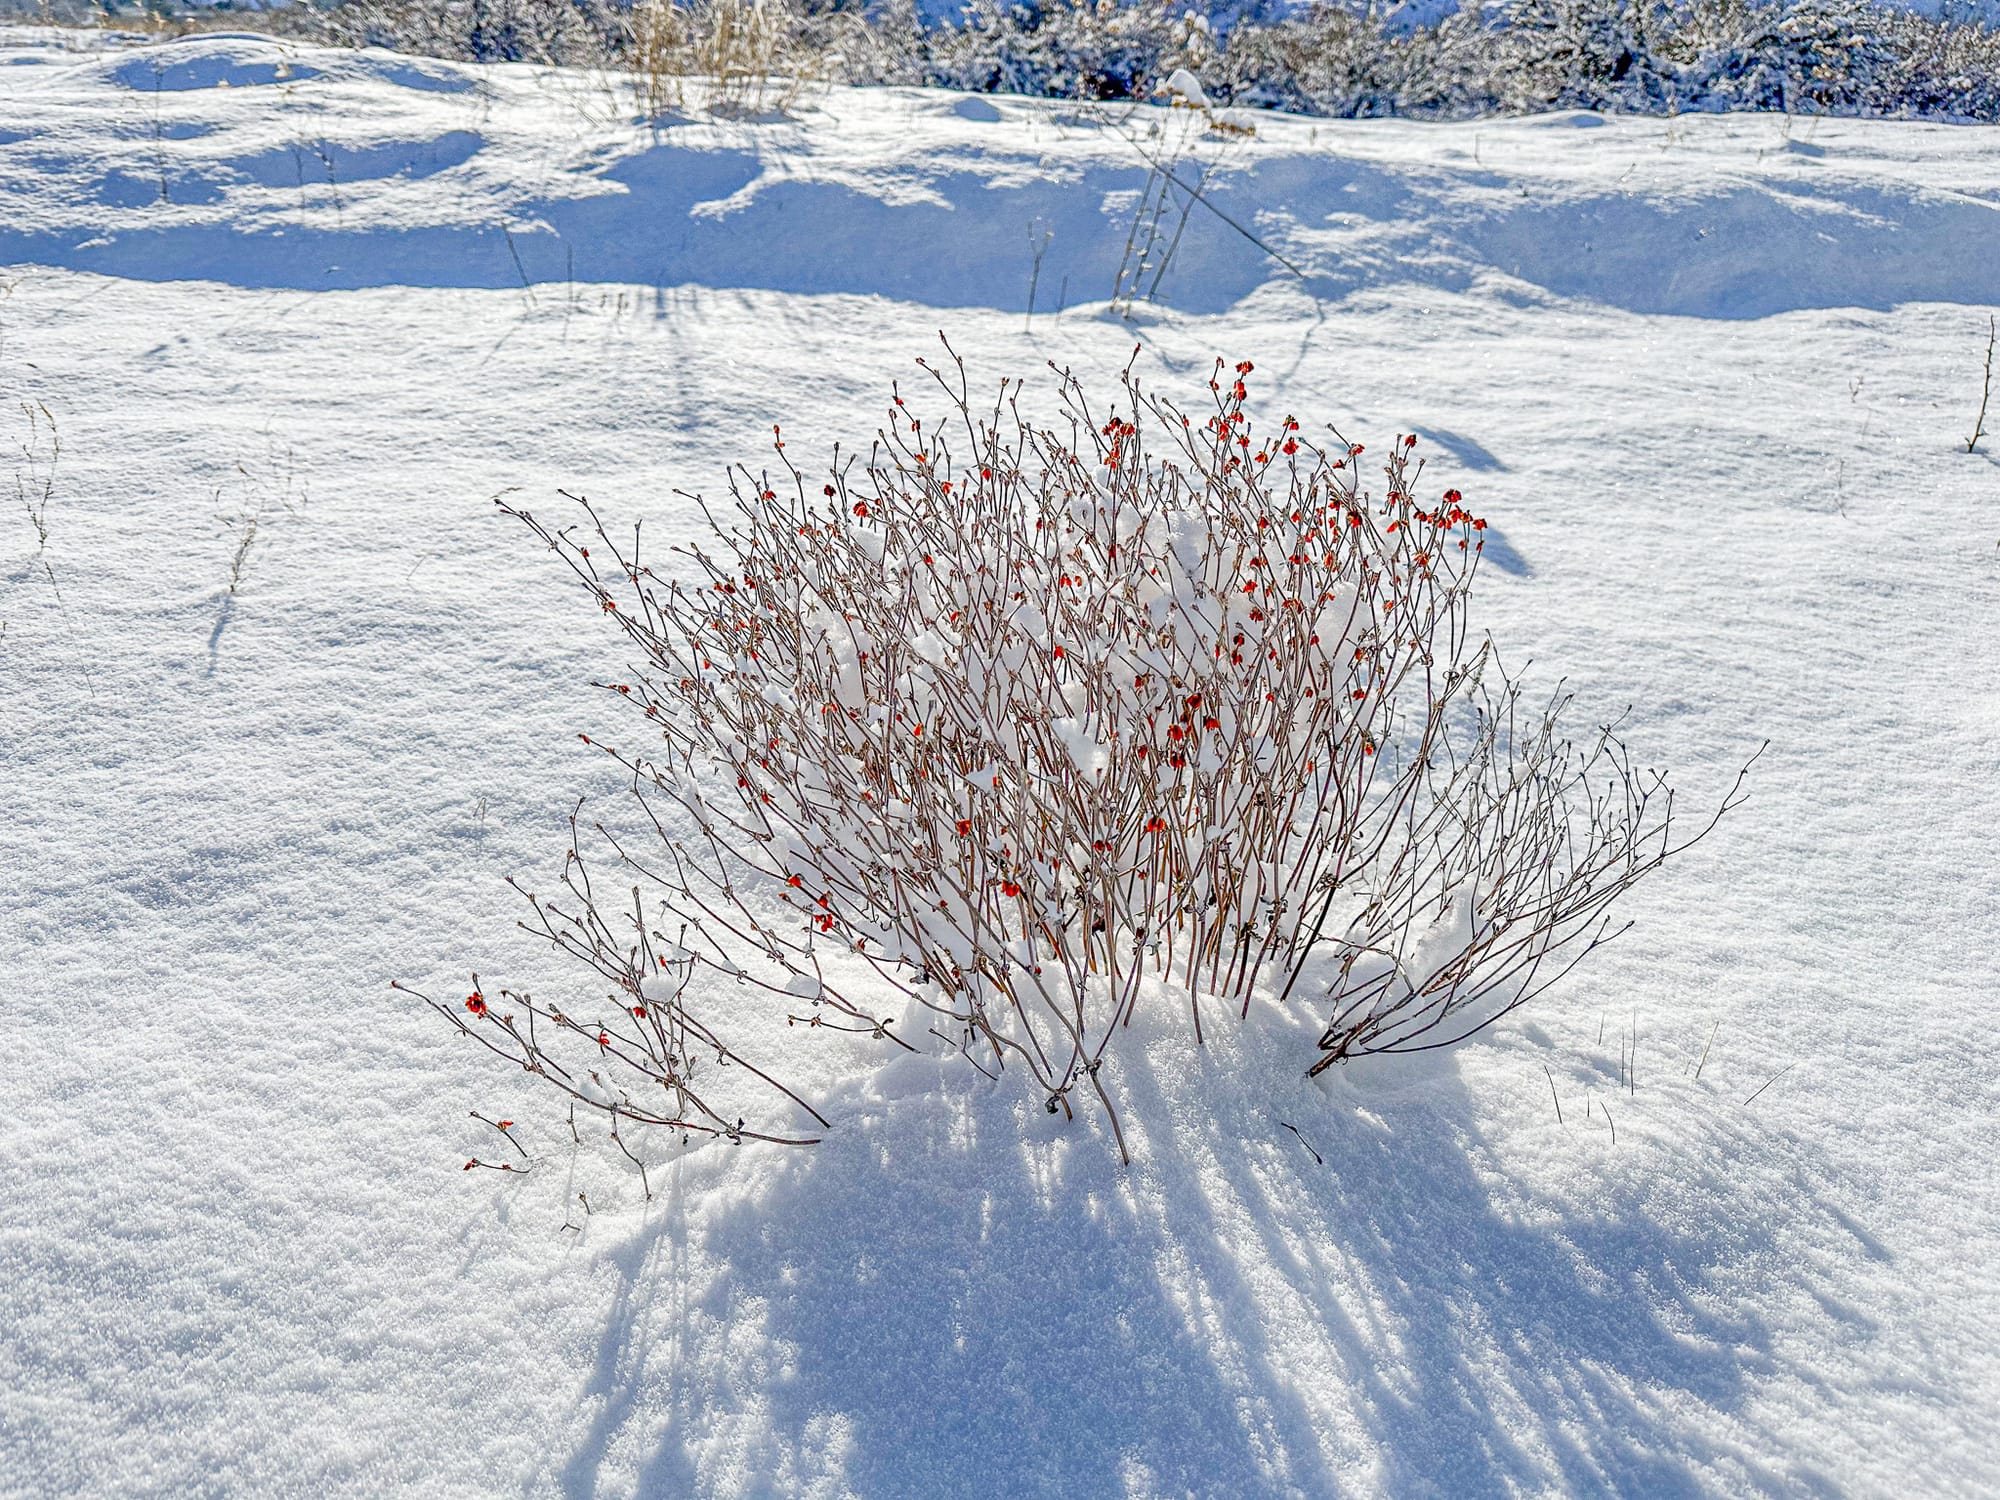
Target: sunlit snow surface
(1704,377)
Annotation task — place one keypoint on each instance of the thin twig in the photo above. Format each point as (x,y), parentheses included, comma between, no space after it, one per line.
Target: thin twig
(1704,1051)
(1985,389)
(1303,1142)
(1771,1080)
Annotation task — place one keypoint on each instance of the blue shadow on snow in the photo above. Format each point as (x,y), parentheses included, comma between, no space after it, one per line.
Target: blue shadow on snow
(942,1313)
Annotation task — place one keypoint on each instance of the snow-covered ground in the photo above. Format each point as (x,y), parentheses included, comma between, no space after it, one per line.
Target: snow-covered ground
(1710,380)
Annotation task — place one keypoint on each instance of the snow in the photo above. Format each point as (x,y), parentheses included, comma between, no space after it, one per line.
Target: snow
(1709,379)
(1185,86)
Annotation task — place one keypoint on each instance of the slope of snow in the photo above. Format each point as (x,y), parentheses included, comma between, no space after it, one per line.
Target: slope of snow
(1706,381)
(375,170)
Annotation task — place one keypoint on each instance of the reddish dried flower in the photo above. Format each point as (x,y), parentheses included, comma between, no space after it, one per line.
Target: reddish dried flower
(476,1003)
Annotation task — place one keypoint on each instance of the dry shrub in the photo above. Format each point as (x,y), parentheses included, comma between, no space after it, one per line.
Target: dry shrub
(749,57)
(657,57)
(1008,718)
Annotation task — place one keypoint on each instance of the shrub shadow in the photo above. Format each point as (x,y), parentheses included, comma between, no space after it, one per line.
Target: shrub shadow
(950,1297)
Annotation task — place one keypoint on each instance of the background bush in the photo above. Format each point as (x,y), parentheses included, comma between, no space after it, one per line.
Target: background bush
(1843,57)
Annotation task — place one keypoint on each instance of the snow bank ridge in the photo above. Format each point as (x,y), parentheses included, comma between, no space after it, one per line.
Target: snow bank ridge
(262,164)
